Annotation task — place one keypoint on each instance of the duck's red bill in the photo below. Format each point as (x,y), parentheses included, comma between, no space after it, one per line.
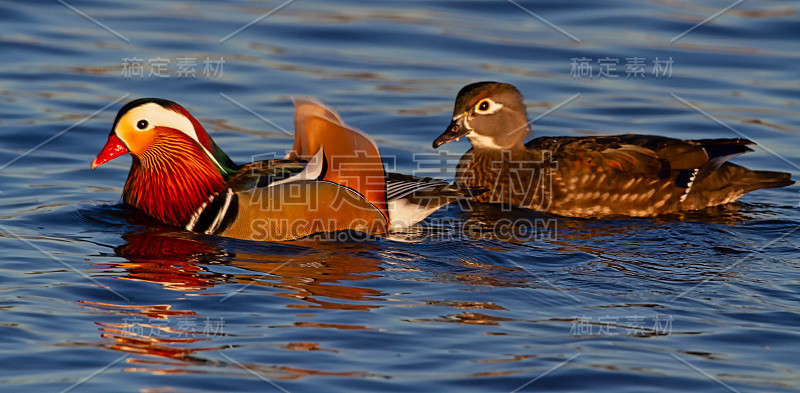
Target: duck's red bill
(113,149)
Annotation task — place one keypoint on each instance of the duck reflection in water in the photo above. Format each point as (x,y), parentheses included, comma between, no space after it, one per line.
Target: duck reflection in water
(607,242)
(305,269)
(324,275)
(309,271)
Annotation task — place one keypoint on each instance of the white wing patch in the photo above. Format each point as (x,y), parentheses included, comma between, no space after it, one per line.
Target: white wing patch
(689,185)
(312,171)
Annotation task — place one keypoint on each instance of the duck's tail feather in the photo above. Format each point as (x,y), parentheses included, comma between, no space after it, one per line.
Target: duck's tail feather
(730,182)
(351,156)
(770,179)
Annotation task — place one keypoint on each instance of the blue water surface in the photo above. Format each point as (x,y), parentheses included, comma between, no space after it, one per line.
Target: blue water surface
(94,298)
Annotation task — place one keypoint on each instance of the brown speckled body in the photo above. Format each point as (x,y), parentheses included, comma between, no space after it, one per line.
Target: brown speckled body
(632,175)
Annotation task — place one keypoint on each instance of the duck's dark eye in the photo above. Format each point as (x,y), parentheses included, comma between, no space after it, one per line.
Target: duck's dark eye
(142,124)
(483,106)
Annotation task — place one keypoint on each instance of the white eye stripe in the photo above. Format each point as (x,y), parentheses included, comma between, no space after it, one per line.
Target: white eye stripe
(493,107)
(157,115)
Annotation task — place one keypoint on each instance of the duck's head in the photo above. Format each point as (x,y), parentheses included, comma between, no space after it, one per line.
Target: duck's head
(150,128)
(176,166)
(491,114)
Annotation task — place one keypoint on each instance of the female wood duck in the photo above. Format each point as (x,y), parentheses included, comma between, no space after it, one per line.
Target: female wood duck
(333,179)
(632,175)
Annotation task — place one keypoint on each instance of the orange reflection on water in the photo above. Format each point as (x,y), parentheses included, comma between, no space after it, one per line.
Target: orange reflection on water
(318,273)
(141,332)
(312,271)
(168,258)
(315,276)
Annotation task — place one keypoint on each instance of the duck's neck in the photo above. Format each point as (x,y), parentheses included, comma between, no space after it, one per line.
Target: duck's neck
(172,179)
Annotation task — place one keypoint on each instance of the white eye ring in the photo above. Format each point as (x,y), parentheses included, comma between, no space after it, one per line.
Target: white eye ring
(486,107)
(143,125)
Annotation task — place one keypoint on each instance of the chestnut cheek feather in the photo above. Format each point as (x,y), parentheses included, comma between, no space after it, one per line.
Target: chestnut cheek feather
(172,179)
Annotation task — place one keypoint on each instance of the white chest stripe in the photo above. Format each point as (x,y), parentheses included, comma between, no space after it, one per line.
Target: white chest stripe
(217,219)
(221,213)
(196,214)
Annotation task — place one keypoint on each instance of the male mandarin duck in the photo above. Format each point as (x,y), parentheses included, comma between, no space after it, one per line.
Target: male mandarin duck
(631,175)
(333,179)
